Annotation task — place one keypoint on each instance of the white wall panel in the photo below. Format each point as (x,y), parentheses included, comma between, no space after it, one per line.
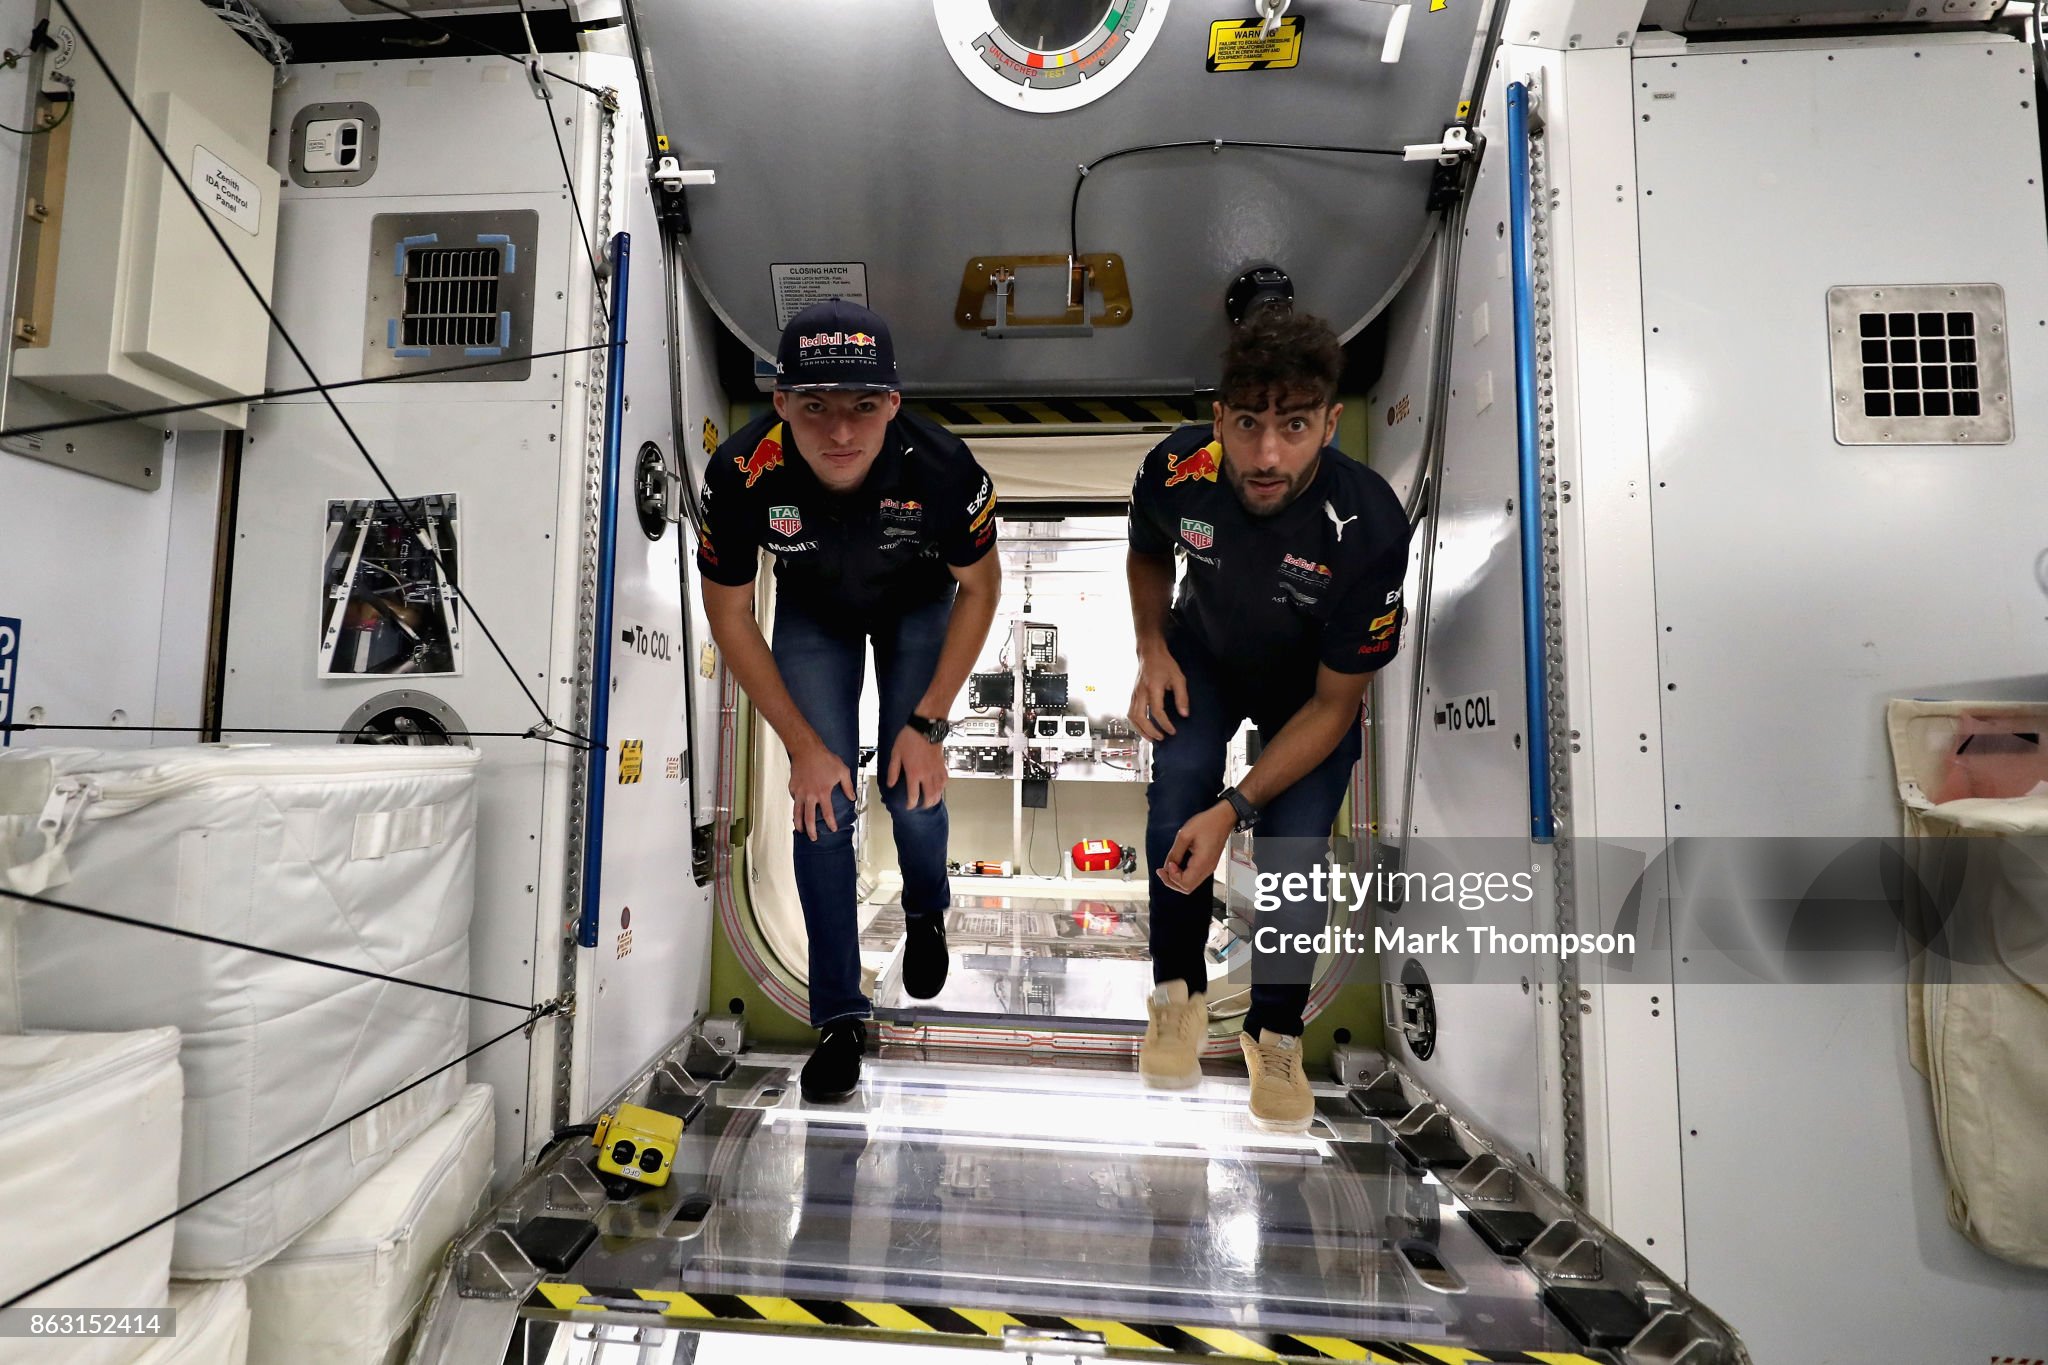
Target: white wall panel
(1800,584)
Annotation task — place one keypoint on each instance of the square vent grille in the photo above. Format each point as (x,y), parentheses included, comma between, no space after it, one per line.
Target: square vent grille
(451,298)
(1920,364)
(448,291)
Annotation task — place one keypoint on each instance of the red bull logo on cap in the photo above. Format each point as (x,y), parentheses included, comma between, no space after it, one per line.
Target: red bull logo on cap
(1201,464)
(836,339)
(766,456)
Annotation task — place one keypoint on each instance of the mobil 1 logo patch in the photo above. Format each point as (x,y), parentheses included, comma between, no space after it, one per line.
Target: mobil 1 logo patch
(1462,714)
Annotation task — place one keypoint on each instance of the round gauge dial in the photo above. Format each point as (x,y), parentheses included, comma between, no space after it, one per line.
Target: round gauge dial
(1047,56)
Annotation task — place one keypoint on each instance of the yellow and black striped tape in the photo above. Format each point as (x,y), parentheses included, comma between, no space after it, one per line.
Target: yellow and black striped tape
(1121,1338)
(1047,412)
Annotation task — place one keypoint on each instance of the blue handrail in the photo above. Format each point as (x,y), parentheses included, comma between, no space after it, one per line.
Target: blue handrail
(1529,448)
(607,558)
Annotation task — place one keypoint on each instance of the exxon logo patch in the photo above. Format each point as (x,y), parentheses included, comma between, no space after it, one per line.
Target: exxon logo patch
(785,520)
(1199,534)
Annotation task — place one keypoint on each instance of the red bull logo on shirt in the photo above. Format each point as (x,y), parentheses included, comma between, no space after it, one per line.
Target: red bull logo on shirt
(1306,565)
(1202,464)
(765,456)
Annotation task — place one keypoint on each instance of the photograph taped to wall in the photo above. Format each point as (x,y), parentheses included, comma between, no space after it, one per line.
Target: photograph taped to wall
(389,588)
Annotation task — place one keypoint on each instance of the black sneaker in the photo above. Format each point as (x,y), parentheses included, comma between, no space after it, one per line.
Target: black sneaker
(924,957)
(833,1073)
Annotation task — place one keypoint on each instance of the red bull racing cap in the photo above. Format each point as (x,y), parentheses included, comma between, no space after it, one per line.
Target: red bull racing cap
(836,345)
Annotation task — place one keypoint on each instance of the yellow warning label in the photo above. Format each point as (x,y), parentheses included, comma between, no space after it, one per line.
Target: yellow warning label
(710,437)
(629,760)
(1435,5)
(1235,45)
(867,1318)
(1464,108)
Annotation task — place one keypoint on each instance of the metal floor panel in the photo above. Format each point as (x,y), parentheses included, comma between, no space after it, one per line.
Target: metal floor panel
(955,1204)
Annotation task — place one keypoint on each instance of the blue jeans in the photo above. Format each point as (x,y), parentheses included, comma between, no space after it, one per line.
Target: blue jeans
(1292,836)
(822,662)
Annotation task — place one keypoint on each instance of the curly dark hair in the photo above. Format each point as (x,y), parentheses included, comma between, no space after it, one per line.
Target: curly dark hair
(1283,359)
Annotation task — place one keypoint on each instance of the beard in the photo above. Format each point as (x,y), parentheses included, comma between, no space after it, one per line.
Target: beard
(1268,504)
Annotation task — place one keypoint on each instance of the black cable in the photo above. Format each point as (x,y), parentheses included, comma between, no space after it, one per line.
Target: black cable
(198,937)
(1214,144)
(104,419)
(22,726)
(481,45)
(539,1012)
(547,100)
(67,102)
(562,1135)
(213,228)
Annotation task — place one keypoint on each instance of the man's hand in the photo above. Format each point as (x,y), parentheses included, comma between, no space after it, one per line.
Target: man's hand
(922,766)
(1197,848)
(813,772)
(1158,676)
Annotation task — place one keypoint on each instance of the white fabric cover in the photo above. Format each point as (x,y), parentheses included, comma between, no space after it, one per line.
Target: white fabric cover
(1978,1026)
(213,1325)
(346,1292)
(65,1101)
(328,852)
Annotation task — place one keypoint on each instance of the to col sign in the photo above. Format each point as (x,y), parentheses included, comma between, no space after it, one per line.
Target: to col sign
(1461,714)
(10,650)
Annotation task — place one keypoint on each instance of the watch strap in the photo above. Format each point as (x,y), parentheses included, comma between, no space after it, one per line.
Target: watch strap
(1247,813)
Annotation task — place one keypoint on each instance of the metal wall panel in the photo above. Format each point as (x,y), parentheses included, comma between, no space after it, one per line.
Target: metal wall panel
(457,135)
(653,955)
(103,578)
(1627,1053)
(846,134)
(1800,584)
(1473,785)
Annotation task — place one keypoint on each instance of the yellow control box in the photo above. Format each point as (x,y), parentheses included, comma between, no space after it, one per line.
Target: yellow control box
(637,1144)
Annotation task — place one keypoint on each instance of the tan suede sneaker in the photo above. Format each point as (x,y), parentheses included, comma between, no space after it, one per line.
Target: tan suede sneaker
(1281,1100)
(1170,1058)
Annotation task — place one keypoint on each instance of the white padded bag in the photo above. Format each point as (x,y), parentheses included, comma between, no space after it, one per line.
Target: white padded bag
(346,1292)
(68,1101)
(1977,1022)
(213,1325)
(352,854)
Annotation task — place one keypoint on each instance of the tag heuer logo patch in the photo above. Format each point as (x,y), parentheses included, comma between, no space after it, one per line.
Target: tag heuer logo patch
(1199,534)
(785,520)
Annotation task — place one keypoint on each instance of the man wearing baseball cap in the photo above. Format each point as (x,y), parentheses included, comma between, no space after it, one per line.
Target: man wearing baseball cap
(881,525)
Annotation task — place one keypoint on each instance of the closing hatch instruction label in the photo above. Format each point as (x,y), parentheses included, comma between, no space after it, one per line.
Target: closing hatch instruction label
(227,191)
(1235,45)
(799,285)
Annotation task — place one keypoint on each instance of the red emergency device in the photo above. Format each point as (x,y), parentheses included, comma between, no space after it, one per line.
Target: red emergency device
(1097,855)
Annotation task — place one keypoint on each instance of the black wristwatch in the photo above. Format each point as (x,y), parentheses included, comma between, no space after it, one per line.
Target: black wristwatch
(933,730)
(1247,813)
